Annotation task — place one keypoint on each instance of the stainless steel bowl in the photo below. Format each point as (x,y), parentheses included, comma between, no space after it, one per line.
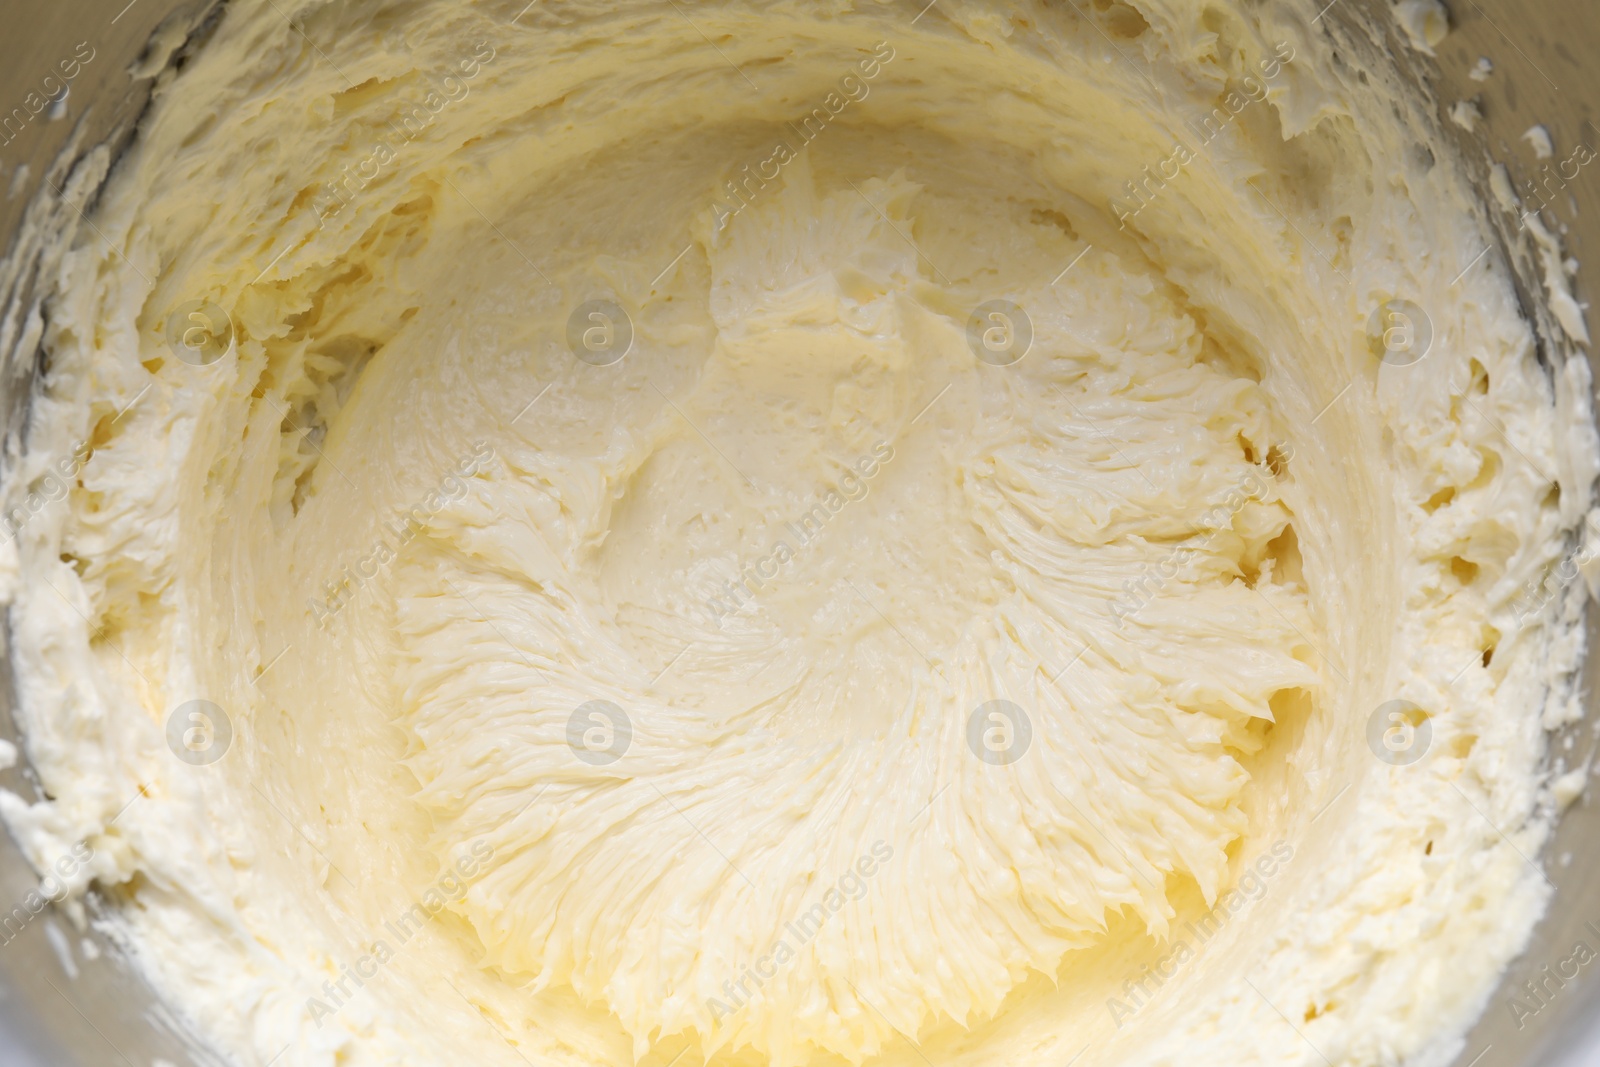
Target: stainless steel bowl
(68,997)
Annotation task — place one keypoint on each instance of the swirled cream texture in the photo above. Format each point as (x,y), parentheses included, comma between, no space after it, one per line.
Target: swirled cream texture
(794,534)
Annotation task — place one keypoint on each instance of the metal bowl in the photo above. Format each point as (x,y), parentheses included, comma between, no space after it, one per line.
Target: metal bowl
(69,997)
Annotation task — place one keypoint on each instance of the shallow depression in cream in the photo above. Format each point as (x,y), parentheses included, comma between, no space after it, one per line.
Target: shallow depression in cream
(813,678)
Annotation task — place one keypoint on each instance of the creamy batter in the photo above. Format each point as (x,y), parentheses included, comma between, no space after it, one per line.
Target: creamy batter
(797,533)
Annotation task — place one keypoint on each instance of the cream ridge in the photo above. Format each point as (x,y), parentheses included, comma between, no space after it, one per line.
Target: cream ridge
(773,533)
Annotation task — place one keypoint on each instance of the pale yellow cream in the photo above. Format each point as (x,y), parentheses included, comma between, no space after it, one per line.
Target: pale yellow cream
(797,533)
